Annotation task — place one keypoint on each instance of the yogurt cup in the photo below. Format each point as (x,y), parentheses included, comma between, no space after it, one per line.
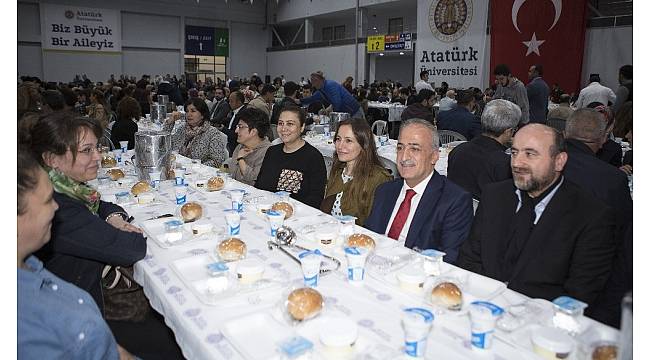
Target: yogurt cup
(411,279)
(432,263)
(124,145)
(123,197)
(237,199)
(173,230)
(326,236)
(483,316)
(201,227)
(276,219)
(417,324)
(181,194)
(233,222)
(179,176)
(551,343)
(249,271)
(155,179)
(338,336)
(310,262)
(356,264)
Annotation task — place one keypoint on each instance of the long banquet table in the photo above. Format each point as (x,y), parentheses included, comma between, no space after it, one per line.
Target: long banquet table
(247,326)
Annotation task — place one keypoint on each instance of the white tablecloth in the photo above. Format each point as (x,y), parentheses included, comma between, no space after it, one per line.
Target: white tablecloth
(205,331)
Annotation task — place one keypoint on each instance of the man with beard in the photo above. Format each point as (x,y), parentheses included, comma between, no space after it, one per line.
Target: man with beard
(544,236)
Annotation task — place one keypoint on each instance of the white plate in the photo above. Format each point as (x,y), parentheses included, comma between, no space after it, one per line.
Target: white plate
(260,327)
(194,274)
(155,230)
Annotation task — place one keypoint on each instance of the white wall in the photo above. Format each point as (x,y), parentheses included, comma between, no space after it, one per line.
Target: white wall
(336,62)
(606,50)
(152,38)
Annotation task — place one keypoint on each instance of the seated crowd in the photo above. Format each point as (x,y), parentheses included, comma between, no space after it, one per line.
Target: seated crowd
(548,212)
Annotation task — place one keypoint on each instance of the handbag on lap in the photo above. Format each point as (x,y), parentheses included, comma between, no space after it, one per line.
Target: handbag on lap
(124,298)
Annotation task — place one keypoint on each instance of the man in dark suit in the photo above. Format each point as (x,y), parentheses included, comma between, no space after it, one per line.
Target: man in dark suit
(537,91)
(482,161)
(585,132)
(544,236)
(460,119)
(220,109)
(422,209)
(236,101)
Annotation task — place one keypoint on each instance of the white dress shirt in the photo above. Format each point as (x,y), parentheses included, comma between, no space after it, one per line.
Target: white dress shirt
(422,85)
(415,201)
(234,113)
(595,92)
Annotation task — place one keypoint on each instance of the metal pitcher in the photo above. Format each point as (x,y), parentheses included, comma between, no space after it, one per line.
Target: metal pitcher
(152,150)
(335,118)
(163,99)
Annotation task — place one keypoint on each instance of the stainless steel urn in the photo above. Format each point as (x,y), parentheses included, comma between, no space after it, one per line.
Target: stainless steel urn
(152,153)
(335,118)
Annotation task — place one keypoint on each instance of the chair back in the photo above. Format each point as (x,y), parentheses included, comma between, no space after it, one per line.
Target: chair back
(475,205)
(390,166)
(556,123)
(328,164)
(379,128)
(447,136)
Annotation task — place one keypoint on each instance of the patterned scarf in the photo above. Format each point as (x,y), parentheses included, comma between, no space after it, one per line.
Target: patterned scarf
(190,134)
(65,185)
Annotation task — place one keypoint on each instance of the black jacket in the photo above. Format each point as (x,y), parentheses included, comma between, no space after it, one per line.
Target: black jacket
(569,252)
(124,130)
(611,153)
(461,121)
(82,243)
(479,162)
(602,180)
(220,112)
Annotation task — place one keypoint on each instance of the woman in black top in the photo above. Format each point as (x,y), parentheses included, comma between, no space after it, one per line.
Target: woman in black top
(294,165)
(125,127)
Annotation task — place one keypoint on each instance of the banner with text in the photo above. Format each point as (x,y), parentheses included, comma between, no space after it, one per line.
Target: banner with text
(66,27)
(452,42)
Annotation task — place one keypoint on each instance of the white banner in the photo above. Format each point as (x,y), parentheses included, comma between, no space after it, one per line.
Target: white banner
(452,42)
(65,27)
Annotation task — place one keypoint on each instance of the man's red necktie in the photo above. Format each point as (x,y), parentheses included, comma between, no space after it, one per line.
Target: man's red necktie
(402,215)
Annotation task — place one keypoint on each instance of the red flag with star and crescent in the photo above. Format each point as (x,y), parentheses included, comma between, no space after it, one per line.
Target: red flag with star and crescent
(546,32)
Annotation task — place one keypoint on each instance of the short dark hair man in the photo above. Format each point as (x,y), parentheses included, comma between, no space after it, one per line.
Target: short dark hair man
(511,89)
(538,91)
(422,108)
(422,209)
(544,236)
(483,160)
(460,119)
(624,92)
(424,82)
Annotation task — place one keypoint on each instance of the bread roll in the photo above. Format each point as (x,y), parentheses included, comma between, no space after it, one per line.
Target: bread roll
(231,249)
(361,240)
(115,174)
(605,352)
(108,162)
(284,206)
(140,187)
(191,211)
(448,295)
(304,303)
(216,183)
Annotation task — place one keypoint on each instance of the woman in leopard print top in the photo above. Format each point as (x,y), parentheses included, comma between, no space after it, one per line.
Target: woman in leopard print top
(197,139)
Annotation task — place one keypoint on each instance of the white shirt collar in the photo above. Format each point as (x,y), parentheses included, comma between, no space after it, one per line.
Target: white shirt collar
(541,206)
(420,187)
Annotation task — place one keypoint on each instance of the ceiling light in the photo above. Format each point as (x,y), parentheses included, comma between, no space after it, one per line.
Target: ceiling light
(381,54)
(401,52)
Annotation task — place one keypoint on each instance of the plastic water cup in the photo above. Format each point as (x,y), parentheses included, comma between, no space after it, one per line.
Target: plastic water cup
(417,324)
(276,219)
(310,262)
(233,221)
(155,179)
(124,145)
(117,154)
(179,176)
(347,226)
(483,316)
(356,264)
(181,194)
(237,199)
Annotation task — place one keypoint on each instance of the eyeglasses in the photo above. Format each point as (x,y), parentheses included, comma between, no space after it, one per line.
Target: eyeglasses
(242,126)
(90,150)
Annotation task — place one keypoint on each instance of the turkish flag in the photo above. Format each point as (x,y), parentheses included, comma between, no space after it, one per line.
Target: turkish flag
(550,33)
